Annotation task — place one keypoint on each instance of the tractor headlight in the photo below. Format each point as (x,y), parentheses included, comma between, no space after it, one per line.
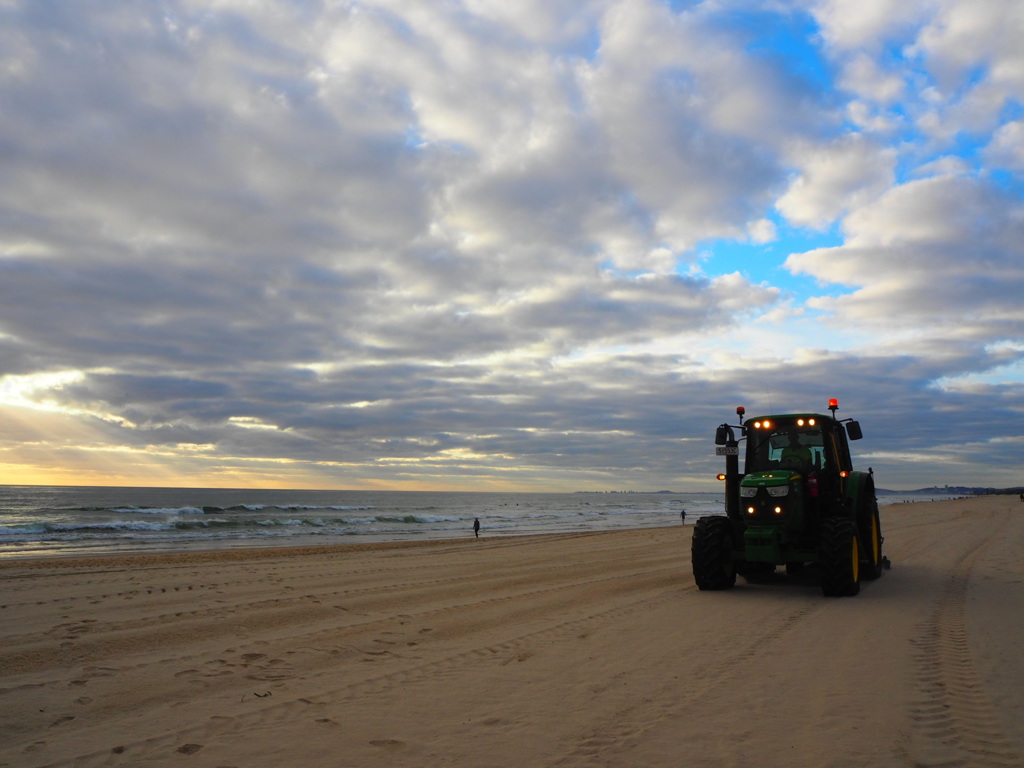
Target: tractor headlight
(748,493)
(777,491)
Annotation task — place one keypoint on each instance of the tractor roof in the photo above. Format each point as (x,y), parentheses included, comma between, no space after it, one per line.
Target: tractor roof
(788,417)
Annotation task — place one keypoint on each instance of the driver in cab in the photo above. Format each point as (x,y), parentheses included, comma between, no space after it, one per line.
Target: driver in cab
(795,453)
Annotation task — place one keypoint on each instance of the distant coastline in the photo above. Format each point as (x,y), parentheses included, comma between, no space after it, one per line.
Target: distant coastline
(647,493)
(953,490)
(950,490)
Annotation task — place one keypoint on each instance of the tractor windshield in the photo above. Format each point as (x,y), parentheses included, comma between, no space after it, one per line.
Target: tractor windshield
(786,447)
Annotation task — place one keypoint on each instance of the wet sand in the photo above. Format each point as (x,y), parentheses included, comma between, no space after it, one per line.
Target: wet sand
(562,650)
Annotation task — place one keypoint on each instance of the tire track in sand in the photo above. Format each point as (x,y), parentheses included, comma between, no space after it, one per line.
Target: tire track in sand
(953,721)
(622,730)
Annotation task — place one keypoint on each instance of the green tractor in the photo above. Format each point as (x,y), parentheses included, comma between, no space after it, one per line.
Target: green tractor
(798,502)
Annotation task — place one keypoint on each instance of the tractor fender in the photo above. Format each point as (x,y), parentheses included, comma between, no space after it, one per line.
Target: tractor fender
(859,487)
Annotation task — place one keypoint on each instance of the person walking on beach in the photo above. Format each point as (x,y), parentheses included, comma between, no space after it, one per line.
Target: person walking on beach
(476,527)
(682,515)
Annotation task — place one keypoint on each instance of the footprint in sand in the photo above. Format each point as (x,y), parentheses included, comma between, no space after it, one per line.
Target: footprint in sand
(392,745)
(519,658)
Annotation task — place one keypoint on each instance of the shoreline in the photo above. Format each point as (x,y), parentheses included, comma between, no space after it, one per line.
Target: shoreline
(83,522)
(142,521)
(584,648)
(136,548)
(186,556)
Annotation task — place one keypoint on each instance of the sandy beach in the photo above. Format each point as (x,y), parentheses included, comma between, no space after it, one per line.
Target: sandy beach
(561,650)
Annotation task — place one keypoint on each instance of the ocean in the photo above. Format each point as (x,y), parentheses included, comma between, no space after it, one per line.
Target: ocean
(62,520)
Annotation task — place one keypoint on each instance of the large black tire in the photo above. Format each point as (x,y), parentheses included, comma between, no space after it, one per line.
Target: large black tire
(871,540)
(839,558)
(711,553)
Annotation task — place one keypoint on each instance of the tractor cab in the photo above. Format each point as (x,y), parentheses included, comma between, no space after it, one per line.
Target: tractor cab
(792,461)
(804,443)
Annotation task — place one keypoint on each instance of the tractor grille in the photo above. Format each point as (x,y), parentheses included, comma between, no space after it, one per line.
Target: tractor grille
(763,543)
(755,538)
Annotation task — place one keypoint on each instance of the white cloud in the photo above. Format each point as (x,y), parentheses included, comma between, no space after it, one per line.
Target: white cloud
(1006,150)
(762,231)
(966,33)
(937,259)
(554,23)
(972,50)
(864,76)
(946,70)
(866,118)
(947,165)
(692,124)
(868,24)
(835,177)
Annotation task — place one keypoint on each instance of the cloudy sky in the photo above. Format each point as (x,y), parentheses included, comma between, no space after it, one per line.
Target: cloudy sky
(480,244)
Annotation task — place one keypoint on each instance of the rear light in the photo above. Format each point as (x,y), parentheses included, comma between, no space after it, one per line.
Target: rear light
(720,476)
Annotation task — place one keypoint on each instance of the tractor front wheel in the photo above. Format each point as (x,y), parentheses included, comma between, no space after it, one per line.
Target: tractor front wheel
(839,558)
(711,553)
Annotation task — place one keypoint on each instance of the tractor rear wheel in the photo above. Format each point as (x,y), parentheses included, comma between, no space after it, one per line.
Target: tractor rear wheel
(871,537)
(711,553)
(839,558)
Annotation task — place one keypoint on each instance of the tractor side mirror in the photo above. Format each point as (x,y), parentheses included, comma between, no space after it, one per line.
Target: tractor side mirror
(853,430)
(722,435)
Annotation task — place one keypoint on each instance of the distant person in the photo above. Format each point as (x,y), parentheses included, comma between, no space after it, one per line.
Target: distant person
(682,516)
(476,527)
